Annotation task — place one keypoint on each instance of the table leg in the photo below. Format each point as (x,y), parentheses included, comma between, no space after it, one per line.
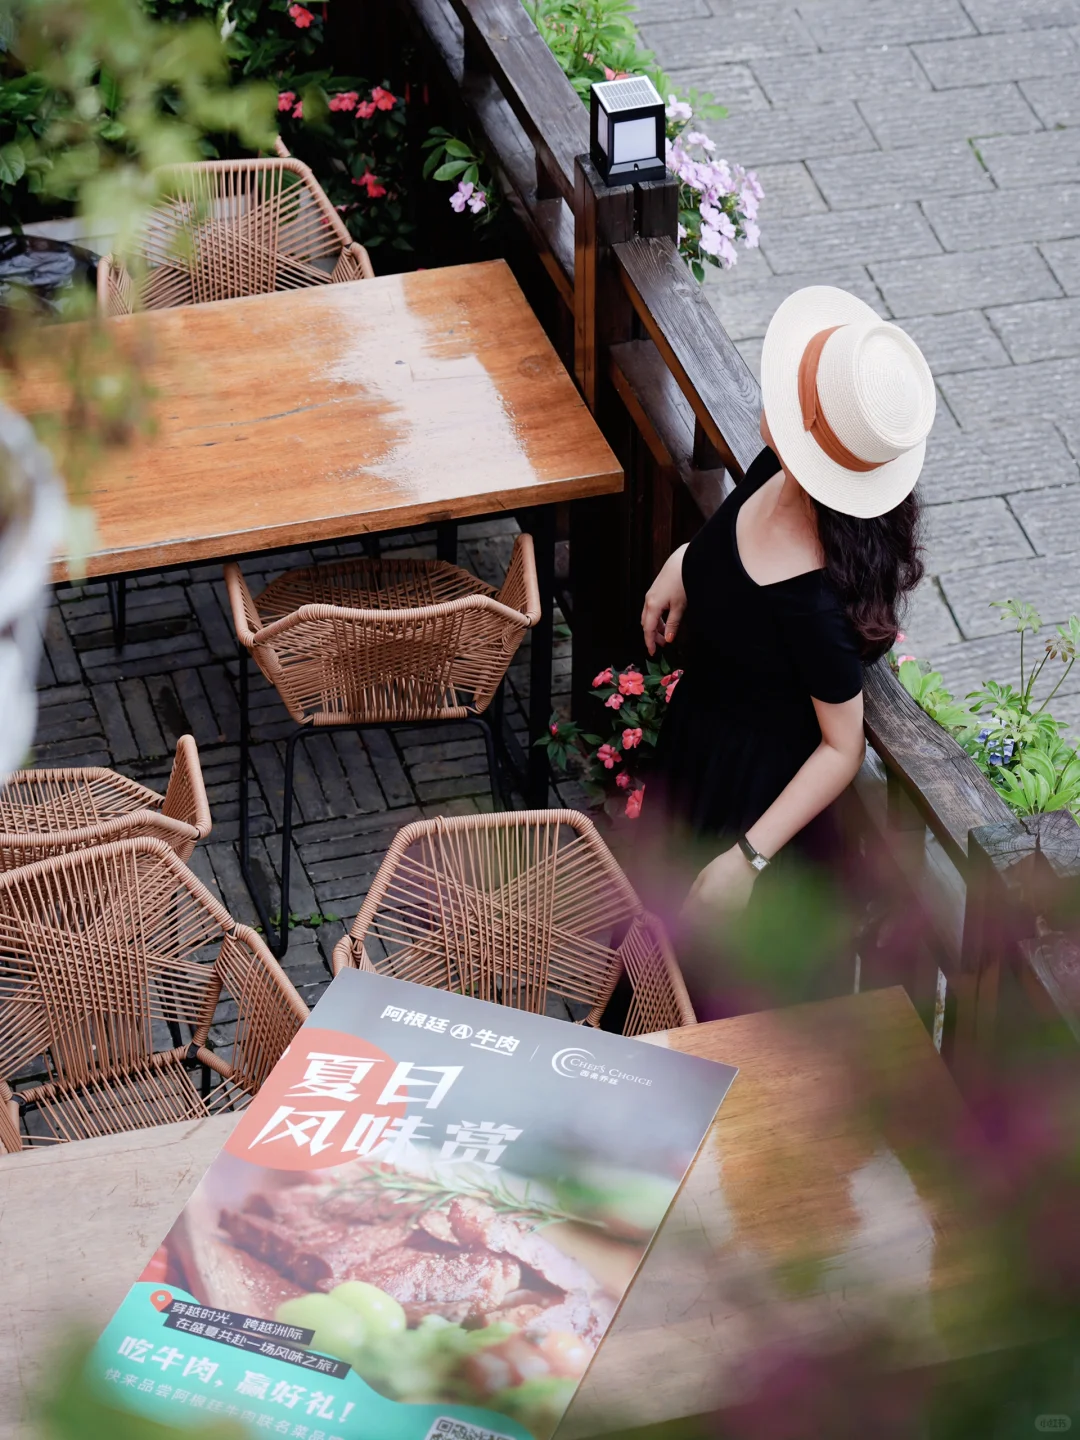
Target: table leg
(542,527)
(117,590)
(446,541)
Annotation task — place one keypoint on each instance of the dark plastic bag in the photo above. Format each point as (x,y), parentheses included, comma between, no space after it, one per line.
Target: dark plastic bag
(46,269)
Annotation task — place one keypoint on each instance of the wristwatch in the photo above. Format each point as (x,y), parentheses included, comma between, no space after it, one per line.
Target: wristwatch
(757,860)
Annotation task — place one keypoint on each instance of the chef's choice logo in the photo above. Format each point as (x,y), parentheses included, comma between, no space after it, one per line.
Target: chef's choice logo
(569,1062)
(577,1064)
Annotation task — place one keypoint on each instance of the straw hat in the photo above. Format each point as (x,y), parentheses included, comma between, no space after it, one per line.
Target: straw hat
(849,399)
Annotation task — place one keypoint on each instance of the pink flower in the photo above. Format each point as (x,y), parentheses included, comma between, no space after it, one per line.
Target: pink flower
(633,802)
(477,201)
(670,679)
(382,99)
(345,100)
(671,688)
(609,757)
(301,16)
(622,780)
(286,99)
(901,658)
(610,74)
(678,109)
(900,636)
(298,110)
(613,702)
(554,729)
(631,739)
(371,184)
(631,682)
(604,678)
(460,198)
(365,109)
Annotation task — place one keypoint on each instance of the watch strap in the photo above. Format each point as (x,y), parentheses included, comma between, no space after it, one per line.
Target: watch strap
(756,859)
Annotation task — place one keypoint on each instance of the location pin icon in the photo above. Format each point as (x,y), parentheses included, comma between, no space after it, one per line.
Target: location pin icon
(161,1299)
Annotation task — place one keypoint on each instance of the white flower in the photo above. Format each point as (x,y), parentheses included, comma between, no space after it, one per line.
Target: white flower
(227,26)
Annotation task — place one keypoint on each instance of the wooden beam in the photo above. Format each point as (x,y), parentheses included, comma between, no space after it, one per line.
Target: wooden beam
(694,345)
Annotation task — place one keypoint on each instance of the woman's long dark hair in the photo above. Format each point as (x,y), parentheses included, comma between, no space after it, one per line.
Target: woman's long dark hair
(872,564)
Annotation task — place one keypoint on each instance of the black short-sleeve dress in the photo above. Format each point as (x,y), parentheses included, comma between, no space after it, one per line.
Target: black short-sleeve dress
(741,722)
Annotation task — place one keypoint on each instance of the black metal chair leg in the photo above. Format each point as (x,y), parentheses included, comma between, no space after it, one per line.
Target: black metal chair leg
(282,943)
(497,795)
(245,838)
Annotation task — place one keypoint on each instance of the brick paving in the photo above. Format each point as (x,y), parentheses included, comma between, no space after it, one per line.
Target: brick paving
(925,154)
(177,674)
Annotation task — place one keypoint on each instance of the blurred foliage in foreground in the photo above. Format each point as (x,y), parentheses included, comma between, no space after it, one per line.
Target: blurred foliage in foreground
(128,94)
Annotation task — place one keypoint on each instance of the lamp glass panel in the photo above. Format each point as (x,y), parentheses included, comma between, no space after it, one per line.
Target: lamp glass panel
(634,140)
(602,123)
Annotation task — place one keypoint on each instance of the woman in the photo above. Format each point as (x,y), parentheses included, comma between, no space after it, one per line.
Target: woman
(790,588)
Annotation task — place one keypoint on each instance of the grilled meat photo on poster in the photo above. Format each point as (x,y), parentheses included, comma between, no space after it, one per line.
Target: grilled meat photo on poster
(436,1209)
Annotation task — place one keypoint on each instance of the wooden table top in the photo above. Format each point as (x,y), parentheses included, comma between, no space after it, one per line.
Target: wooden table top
(793,1181)
(317,414)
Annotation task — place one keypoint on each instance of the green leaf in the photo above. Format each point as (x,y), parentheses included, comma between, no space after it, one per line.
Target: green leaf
(459,150)
(12,163)
(451,169)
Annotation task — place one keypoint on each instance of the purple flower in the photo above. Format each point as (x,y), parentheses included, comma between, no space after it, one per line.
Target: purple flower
(460,198)
(678,109)
(698,137)
(752,234)
(477,201)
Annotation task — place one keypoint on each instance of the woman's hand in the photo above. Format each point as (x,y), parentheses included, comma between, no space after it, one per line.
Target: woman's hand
(666,598)
(723,887)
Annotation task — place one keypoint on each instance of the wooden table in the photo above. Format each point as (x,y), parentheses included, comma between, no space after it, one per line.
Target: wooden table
(792,1180)
(316,415)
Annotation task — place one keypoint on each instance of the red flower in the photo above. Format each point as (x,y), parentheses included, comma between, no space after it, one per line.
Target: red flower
(633,802)
(670,679)
(371,183)
(383,99)
(365,109)
(554,729)
(613,701)
(344,100)
(608,756)
(286,99)
(300,16)
(631,682)
(671,688)
(298,110)
(622,779)
(604,678)
(631,739)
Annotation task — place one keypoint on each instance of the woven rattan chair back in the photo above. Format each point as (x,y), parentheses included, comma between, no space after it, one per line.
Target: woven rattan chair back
(227,228)
(51,812)
(381,641)
(517,908)
(103,952)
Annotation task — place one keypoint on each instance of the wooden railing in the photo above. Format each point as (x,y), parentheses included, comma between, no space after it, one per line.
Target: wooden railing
(681,409)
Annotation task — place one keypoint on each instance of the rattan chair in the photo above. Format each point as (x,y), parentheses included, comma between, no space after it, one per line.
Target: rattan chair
(99,954)
(50,812)
(516,908)
(227,228)
(376,642)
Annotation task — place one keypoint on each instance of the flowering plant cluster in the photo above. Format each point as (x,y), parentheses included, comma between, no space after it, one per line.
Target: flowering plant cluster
(451,159)
(718,200)
(1015,742)
(349,130)
(614,768)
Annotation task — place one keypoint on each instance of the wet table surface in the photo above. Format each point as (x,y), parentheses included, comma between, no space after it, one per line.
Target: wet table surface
(319,414)
(792,1181)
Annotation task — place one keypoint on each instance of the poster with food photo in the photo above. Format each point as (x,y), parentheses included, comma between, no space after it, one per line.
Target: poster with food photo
(420,1229)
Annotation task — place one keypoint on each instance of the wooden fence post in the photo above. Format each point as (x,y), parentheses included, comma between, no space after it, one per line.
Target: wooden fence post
(1022,874)
(603,216)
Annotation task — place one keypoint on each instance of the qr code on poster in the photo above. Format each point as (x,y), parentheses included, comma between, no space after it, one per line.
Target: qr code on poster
(446,1428)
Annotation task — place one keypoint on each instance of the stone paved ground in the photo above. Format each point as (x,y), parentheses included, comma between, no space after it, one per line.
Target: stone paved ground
(925,154)
(177,675)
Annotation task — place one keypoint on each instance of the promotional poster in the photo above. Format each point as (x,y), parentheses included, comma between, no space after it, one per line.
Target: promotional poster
(420,1229)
